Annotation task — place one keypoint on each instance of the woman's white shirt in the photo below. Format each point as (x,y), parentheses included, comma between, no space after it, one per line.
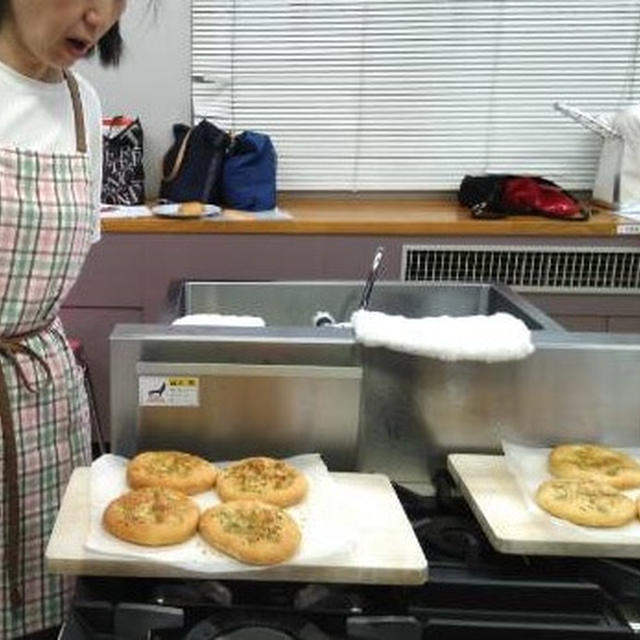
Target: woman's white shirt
(39,116)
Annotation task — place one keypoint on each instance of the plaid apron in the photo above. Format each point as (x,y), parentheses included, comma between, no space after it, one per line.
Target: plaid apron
(46,225)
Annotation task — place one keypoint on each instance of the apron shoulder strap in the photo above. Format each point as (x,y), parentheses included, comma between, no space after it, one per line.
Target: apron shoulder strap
(78,111)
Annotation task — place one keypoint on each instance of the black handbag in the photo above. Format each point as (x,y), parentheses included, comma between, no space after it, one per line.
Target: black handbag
(492,196)
(192,167)
(122,168)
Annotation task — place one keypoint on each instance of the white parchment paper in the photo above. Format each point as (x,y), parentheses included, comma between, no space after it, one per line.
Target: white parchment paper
(324,532)
(529,467)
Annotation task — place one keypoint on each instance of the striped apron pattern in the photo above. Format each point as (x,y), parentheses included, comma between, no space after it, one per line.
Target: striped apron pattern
(46,225)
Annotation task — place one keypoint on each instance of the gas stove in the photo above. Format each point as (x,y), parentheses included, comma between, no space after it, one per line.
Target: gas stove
(472,592)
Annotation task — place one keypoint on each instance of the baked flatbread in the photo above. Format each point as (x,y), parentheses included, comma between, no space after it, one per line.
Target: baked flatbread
(585,502)
(266,479)
(174,469)
(191,209)
(595,462)
(251,531)
(152,516)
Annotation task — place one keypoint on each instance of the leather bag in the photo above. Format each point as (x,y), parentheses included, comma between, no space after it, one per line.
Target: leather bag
(192,167)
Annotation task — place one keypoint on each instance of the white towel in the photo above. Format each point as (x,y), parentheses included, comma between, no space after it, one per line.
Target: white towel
(219,320)
(492,338)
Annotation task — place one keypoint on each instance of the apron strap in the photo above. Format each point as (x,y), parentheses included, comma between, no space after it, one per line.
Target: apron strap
(78,111)
(9,347)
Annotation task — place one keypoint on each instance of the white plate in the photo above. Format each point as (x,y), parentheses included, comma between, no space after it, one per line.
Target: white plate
(173,211)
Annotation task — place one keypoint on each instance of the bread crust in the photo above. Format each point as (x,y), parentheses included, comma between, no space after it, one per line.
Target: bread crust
(174,469)
(261,478)
(251,531)
(586,502)
(595,462)
(192,208)
(152,516)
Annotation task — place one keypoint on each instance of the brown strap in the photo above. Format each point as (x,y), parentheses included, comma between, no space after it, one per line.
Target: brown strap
(9,347)
(10,483)
(78,111)
(179,157)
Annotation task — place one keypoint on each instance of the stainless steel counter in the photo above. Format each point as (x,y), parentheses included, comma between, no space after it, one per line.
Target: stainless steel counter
(288,389)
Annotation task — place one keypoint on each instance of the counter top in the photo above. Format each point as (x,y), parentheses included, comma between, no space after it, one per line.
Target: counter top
(380,216)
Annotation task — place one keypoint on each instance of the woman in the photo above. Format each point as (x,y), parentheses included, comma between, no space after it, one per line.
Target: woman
(50,173)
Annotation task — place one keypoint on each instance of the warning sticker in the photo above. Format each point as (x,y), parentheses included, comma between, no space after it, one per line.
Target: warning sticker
(171,391)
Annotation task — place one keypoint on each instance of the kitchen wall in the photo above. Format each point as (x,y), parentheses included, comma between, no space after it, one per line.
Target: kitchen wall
(153,79)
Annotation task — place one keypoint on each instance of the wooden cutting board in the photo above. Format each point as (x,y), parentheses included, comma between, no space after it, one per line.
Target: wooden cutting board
(386,549)
(511,527)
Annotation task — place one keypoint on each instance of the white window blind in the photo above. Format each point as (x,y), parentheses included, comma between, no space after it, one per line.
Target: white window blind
(413,94)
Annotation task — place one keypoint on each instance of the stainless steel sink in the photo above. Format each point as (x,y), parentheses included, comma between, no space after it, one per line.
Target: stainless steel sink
(296,303)
(413,411)
(291,386)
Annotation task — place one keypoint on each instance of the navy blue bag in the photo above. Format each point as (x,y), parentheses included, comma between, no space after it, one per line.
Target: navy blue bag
(192,168)
(249,173)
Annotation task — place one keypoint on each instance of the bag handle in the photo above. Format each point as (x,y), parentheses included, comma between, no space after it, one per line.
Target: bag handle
(179,158)
(210,180)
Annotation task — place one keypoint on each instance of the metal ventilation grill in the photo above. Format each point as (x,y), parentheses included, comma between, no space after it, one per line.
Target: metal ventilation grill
(527,268)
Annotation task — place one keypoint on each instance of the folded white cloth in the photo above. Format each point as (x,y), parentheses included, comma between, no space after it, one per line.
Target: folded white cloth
(491,338)
(219,320)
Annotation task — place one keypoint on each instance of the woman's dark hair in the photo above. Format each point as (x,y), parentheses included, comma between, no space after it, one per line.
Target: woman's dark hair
(109,46)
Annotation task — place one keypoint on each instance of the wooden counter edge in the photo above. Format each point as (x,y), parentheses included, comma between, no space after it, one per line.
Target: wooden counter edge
(372,217)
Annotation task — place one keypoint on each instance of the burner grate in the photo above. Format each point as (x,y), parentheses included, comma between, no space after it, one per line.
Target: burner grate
(472,592)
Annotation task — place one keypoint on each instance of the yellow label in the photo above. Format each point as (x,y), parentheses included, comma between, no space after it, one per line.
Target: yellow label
(183,382)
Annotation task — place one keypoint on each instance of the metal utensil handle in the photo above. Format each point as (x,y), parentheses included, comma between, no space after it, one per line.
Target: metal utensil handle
(373,274)
(587,120)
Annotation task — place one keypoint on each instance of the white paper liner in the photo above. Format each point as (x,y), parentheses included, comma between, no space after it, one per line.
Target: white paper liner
(324,533)
(529,467)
